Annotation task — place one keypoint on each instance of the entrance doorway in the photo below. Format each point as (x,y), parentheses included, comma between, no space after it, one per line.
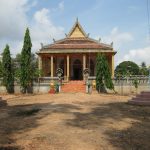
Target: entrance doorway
(77,70)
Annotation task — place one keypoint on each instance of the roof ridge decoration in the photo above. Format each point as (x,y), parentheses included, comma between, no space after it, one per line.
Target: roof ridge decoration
(77,31)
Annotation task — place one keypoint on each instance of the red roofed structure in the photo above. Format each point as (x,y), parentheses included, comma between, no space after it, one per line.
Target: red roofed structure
(73,54)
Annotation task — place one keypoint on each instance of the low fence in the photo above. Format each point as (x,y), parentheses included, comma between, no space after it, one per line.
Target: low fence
(122,85)
(126,85)
(130,80)
(141,80)
(40,85)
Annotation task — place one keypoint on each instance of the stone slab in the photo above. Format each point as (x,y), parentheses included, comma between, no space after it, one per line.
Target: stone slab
(141,99)
(139,102)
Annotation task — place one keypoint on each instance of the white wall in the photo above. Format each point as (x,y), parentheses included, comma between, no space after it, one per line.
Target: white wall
(45,88)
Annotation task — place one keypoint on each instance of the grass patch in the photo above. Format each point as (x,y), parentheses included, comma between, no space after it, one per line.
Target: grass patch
(28,112)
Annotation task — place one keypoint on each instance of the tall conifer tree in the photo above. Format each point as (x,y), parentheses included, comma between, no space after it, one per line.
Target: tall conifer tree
(26,73)
(1,72)
(103,75)
(7,71)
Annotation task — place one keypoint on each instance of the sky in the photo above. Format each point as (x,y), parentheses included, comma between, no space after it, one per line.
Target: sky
(125,22)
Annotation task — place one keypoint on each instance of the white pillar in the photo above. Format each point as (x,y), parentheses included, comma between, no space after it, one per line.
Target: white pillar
(68,71)
(84,63)
(52,69)
(40,62)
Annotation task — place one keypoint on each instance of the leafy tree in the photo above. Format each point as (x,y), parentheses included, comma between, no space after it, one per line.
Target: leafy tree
(143,65)
(144,69)
(16,65)
(25,65)
(127,68)
(8,79)
(34,65)
(103,75)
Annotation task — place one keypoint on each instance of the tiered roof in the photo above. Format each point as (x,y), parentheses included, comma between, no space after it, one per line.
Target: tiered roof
(77,39)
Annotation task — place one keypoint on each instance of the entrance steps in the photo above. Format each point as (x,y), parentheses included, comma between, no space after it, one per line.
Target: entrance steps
(141,99)
(74,87)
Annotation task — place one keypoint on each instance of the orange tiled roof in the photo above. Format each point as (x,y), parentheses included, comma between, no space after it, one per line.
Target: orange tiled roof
(77,43)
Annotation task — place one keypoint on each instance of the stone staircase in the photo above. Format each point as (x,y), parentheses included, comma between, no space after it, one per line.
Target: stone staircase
(73,87)
(141,99)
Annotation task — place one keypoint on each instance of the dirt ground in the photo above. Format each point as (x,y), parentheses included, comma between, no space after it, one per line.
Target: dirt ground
(74,121)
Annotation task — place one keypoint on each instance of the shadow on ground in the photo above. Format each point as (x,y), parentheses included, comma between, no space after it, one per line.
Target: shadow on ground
(134,137)
(101,117)
(22,118)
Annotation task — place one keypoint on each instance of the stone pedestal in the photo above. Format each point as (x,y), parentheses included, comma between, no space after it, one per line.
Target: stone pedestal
(141,99)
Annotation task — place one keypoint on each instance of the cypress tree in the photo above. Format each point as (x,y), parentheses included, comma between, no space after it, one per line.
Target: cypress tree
(25,70)
(103,75)
(7,71)
(1,73)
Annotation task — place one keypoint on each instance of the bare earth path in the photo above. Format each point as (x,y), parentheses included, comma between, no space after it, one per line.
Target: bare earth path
(74,121)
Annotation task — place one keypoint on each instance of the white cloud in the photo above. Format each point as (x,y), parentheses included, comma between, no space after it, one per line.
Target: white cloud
(122,38)
(137,55)
(118,38)
(14,20)
(42,16)
(60,7)
(43,29)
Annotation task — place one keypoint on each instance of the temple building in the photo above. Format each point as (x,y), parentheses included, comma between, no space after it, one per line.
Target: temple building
(73,54)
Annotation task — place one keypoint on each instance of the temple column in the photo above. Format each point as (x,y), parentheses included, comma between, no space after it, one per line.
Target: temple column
(65,65)
(40,62)
(55,65)
(84,63)
(52,69)
(112,66)
(68,71)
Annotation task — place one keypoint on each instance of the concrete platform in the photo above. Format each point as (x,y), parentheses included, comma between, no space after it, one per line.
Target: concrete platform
(141,99)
